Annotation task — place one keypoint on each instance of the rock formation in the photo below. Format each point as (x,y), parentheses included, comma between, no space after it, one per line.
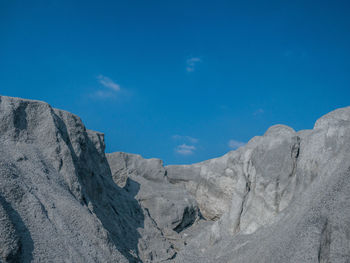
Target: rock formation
(283,197)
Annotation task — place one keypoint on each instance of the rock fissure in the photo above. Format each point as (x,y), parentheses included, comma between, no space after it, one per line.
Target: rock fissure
(325,242)
(244,202)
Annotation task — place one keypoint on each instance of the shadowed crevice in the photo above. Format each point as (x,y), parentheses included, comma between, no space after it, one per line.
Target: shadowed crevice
(325,243)
(20,117)
(25,249)
(103,197)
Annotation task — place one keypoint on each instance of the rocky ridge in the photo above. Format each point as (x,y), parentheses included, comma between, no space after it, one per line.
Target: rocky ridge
(283,197)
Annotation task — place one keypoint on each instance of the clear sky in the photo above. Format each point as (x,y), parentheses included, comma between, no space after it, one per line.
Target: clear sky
(183,81)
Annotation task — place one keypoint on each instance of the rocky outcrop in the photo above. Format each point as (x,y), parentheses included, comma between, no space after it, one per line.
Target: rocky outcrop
(290,202)
(58,198)
(254,183)
(170,206)
(283,197)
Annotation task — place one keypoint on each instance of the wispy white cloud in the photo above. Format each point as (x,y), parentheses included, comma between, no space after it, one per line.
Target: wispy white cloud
(233,144)
(185,138)
(108,83)
(108,88)
(191,63)
(185,149)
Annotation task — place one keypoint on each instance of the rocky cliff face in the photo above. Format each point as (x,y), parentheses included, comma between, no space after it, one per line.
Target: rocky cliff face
(283,197)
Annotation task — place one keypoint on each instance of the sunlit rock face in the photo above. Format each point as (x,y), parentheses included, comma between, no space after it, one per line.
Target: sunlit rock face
(246,188)
(290,198)
(283,197)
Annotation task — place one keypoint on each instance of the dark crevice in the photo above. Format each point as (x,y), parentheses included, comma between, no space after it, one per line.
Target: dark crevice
(20,117)
(278,196)
(244,201)
(153,221)
(295,154)
(295,151)
(115,210)
(244,198)
(325,244)
(172,257)
(26,245)
(60,165)
(188,218)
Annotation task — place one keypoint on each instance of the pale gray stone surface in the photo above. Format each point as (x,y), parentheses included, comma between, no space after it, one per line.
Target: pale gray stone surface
(283,197)
(58,201)
(170,206)
(290,199)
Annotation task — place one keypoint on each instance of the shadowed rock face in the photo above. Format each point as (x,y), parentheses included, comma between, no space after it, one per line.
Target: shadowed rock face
(58,199)
(170,206)
(283,197)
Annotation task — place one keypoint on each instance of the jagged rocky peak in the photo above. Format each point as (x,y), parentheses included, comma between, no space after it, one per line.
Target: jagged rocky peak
(283,197)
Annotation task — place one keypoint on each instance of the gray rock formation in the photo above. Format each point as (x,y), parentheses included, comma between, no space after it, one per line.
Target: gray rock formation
(171,207)
(290,197)
(283,197)
(58,201)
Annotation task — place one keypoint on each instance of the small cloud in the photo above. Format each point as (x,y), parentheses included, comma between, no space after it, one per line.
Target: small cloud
(258,112)
(185,138)
(185,149)
(233,144)
(108,90)
(108,83)
(191,63)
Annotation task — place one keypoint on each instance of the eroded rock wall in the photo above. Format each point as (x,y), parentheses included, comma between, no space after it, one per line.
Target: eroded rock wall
(283,197)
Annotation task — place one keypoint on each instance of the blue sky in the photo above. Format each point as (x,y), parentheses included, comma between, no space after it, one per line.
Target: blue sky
(183,81)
